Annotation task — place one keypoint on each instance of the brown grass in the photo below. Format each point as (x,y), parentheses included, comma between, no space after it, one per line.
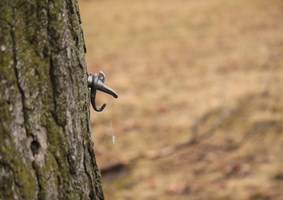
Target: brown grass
(177,63)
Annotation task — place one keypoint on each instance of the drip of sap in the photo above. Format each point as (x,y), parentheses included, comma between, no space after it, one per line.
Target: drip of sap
(111,132)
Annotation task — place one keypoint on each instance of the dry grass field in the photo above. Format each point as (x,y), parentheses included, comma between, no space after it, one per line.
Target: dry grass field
(200,108)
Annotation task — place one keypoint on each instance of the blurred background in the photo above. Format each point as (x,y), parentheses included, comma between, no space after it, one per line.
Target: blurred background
(200,107)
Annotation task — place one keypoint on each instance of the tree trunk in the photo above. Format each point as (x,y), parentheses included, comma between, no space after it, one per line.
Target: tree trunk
(45,144)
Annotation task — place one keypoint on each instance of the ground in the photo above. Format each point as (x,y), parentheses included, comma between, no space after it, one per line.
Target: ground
(199,113)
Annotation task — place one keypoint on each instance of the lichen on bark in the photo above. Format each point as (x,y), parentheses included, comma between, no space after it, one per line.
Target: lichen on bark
(45,145)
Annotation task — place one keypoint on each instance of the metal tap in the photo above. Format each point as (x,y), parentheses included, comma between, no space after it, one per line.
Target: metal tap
(96,82)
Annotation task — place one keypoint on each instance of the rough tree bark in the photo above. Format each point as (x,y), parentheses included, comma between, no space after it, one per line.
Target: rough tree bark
(45,145)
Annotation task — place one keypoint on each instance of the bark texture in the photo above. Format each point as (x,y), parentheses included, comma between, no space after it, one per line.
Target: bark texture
(45,145)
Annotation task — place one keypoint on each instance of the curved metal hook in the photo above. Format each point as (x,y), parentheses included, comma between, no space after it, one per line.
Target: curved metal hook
(92,99)
(96,82)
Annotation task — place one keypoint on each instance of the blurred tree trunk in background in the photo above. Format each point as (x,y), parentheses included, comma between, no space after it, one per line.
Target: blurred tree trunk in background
(45,146)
